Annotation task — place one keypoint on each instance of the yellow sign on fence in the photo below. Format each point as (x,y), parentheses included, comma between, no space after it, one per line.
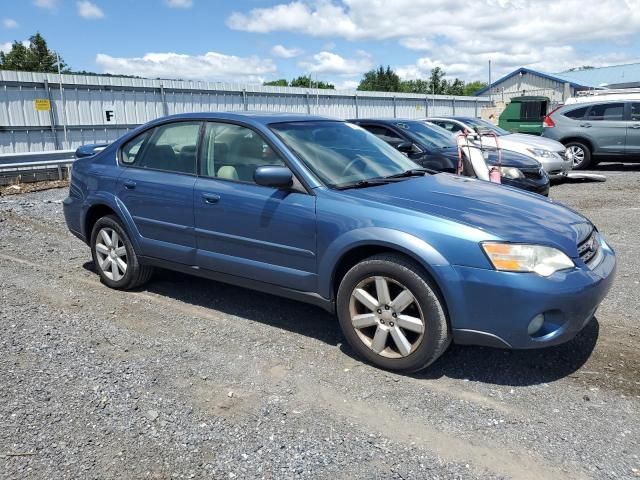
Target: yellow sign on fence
(42,104)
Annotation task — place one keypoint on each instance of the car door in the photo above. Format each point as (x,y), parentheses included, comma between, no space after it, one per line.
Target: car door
(632,146)
(156,188)
(605,125)
(248,230)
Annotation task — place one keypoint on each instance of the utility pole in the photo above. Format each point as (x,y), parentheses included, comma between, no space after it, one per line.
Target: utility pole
(64,108)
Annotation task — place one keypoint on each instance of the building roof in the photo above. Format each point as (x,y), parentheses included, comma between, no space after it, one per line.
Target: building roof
(524,70)
(605,76)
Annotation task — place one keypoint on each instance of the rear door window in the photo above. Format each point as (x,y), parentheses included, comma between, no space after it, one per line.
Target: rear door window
(170,147)
(384,133)
(606,111)
(576,113)
(635,112)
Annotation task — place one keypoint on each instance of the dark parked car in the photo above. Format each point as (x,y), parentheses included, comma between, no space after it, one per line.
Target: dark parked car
(594,130)
(324,212)
(434,147)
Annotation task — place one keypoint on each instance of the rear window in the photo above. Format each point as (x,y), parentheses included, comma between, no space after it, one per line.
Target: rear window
(607,111)
(576,113)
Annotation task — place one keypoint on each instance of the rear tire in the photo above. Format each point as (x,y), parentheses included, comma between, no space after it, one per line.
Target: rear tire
(114,257)
(581,154)
(391,314)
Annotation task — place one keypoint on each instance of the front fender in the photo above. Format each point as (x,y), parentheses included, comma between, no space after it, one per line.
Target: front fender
(422,252)
(111,201)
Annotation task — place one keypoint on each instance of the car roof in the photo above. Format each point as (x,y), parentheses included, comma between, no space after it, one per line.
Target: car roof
(386,120)
(264,118)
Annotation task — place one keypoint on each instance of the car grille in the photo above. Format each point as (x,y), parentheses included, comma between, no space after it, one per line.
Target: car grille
(589,250)
(533,173)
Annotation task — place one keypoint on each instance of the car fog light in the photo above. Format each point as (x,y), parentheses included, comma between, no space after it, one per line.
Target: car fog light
(535,324)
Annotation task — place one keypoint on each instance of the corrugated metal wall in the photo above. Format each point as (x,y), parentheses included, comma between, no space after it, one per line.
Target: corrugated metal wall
(529,85)
(80,106)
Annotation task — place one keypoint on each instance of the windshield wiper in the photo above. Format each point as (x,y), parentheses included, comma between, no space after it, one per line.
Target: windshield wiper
(414,172)
(363,183)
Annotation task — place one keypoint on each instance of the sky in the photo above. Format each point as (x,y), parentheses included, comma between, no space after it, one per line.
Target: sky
(333,40)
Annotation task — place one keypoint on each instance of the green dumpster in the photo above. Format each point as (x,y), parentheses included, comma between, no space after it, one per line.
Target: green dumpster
(524,115)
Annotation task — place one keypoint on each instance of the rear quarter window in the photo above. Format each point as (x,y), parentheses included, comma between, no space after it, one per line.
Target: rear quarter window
(576,113)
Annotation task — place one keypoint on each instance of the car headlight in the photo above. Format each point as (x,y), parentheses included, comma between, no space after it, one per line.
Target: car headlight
(515,257)
(511,172)
(538,152)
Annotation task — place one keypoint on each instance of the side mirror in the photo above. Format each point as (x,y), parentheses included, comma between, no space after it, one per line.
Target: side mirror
(273,176)
(405,147)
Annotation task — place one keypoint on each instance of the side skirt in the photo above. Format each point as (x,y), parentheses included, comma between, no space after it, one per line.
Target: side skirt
(305,297)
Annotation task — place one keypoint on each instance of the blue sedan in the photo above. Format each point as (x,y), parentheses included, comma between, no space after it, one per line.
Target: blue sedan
(323,211)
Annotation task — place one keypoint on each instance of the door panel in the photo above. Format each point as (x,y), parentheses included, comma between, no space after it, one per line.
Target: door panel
(157,189)
(246,229)
(606,126)
(633,132)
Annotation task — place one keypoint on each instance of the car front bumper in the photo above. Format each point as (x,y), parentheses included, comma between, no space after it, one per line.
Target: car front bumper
(495,308)
(557,166)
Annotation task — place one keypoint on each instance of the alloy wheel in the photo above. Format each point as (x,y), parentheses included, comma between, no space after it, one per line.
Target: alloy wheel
(577,153)
(111,254)
(386,317)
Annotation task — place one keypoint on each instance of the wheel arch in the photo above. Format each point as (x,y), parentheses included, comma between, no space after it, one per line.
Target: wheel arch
(575,138)
(102,205)
(338,260)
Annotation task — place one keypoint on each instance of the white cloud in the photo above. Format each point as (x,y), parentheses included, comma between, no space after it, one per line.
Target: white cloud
(284,52)
(333,64)
(5,47)
(9,23)
(460,35)
(89,10)
(180,3)
(210,66)
(48,4)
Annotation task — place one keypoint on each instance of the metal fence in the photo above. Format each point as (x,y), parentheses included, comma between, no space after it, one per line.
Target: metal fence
(40,112)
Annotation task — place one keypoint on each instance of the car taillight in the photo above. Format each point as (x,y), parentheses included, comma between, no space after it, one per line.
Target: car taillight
(547,122)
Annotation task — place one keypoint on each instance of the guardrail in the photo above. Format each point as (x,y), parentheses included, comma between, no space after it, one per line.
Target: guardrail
(35,167)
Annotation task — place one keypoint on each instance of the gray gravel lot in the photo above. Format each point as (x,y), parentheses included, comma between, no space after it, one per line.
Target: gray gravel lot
(190,378)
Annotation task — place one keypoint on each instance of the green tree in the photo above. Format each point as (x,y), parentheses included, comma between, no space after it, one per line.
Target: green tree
(282,82)
(35,58)
(456,87)
(380,80)
(306,81)
(472,87)
(414,86)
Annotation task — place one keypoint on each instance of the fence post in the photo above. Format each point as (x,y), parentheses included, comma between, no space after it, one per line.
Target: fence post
(453,106)
(426,106)
(163,97)
(355,100)
(245,101)
(307,99)
(52,116)
(476,107)
(394,107)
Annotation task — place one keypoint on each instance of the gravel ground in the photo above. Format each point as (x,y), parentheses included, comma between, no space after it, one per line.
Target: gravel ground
(190,378)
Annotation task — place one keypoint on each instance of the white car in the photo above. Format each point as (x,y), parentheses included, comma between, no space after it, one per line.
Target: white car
(552,155)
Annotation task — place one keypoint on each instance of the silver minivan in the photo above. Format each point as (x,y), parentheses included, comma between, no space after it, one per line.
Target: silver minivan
(594,130)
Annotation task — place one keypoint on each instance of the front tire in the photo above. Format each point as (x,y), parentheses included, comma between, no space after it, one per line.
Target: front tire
(581,154)
(391,314)
(114,257)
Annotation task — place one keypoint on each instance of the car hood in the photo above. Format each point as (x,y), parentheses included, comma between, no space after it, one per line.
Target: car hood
(503,212)
(532,141)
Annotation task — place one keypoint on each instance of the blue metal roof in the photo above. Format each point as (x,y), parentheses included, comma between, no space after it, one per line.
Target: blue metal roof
(604,76)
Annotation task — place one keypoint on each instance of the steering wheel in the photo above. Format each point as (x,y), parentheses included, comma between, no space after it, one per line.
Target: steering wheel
(350,165)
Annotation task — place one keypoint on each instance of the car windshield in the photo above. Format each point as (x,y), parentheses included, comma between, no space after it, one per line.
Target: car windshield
(484,125)
(341,154)
(431,136)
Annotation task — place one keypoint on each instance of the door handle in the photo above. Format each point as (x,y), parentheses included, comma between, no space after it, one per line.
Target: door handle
(129,184)
(210,198)
(637,125)
(585,125)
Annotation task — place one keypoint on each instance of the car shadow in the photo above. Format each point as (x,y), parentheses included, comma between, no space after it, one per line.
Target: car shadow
(480,364)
